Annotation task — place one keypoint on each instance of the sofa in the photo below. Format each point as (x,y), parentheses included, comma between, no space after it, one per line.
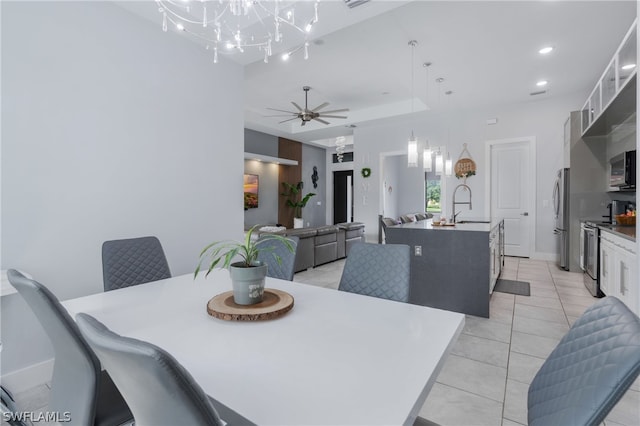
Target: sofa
(322,244)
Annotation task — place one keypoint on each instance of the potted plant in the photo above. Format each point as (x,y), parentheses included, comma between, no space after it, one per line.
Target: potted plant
(294,193)
(248,274)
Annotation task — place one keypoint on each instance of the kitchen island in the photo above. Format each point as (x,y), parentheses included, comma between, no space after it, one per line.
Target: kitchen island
(453,267)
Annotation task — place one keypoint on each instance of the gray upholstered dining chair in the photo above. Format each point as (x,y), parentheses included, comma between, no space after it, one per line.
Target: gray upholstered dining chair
(133,261)
(276,255)
(78,386)
(385,222)
(159,390)
(379,270)
(407,218)
(591,368)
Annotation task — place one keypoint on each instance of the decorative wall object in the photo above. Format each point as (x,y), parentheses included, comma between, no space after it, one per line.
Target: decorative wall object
(465,166)
(314,177)
(251,187)
(365,172)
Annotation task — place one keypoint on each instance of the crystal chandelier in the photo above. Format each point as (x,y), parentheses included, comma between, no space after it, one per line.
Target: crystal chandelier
(236,25)
(340,143)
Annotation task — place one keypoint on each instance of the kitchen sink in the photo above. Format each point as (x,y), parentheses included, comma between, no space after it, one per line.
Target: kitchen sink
(473,221)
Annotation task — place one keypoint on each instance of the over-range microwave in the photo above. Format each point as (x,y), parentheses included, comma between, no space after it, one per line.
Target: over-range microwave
(623,170)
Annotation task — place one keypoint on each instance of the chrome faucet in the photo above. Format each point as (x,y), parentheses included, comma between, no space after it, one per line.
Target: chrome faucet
(454,203)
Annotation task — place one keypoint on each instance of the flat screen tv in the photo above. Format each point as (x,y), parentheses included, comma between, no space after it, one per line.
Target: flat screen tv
(251,191)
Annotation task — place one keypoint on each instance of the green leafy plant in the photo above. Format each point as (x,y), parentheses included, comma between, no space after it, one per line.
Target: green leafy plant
(222,253)
(294,192)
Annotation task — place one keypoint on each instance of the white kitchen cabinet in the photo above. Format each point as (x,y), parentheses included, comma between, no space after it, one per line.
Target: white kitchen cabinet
(614,97)
(619,270)
(606,251)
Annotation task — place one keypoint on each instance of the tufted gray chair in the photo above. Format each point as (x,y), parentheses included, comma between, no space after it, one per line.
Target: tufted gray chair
(273,249)
(405,218)
(379,270)
(590,369)
(133,261)
(78,384)
(158,389)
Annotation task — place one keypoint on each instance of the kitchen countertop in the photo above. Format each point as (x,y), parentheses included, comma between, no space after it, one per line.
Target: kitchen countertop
(624,231)
(486,226)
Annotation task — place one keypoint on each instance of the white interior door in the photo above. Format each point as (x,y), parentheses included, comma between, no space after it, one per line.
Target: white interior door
(511,190)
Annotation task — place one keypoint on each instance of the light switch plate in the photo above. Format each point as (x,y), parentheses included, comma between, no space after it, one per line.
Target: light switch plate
(418,250)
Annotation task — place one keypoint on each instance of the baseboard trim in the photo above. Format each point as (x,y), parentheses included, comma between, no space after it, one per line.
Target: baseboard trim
(549,257)
(29,377)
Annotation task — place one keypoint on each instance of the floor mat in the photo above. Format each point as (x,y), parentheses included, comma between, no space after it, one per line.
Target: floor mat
(521,288)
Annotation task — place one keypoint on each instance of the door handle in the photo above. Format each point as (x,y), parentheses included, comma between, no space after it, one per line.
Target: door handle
(524,214)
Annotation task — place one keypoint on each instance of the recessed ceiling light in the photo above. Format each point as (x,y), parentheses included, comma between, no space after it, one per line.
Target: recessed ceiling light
(545,50)
(628,66)
(542,83)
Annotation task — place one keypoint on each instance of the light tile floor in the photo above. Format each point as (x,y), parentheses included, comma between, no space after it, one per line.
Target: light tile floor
(487,375)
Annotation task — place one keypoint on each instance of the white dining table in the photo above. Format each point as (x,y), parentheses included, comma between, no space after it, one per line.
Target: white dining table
(336,358)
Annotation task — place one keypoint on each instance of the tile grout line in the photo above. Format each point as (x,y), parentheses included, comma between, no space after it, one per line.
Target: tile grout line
(506,378)
(561,302)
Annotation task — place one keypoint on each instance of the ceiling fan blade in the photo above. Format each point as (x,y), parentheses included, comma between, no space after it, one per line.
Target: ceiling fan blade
(297,106)
(281,115)
(333,116)
(282,110)
(319,107)
(294,118)
(320,120)
(336,110)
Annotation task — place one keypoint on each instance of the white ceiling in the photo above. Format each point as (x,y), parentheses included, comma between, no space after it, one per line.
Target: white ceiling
(487,52)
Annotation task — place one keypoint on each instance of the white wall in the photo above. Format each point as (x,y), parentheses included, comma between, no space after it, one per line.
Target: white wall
(390,185)
(411,193)
(111,129)
(543,119)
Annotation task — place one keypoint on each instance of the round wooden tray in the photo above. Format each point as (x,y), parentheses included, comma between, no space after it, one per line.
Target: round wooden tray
(275,303)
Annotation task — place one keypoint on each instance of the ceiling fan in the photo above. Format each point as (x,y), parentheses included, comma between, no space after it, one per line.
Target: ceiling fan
(307,114)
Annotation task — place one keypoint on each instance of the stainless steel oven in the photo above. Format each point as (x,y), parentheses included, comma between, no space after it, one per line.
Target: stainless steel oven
(589,252)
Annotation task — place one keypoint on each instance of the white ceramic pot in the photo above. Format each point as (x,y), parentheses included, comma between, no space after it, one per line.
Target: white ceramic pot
(248,283)
(298,222)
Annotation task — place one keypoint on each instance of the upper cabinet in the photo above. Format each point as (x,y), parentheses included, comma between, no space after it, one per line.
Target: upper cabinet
(613,99)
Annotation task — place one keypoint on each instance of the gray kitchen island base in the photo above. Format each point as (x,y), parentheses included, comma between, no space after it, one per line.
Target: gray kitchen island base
(456,267)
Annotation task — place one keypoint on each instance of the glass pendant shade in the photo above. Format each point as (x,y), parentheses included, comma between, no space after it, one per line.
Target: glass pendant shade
(412,152)
(448,166)
(439,163)
(426,159)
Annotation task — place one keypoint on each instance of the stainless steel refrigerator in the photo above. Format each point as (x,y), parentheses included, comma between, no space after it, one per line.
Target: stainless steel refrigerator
(561,213)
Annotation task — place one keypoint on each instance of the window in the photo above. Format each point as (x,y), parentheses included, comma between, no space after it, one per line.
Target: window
(433,189)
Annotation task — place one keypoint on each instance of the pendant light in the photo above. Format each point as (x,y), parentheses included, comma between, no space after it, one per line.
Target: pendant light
(412,144)
(439,159)
(448,165)
(426,154)
(439,162)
